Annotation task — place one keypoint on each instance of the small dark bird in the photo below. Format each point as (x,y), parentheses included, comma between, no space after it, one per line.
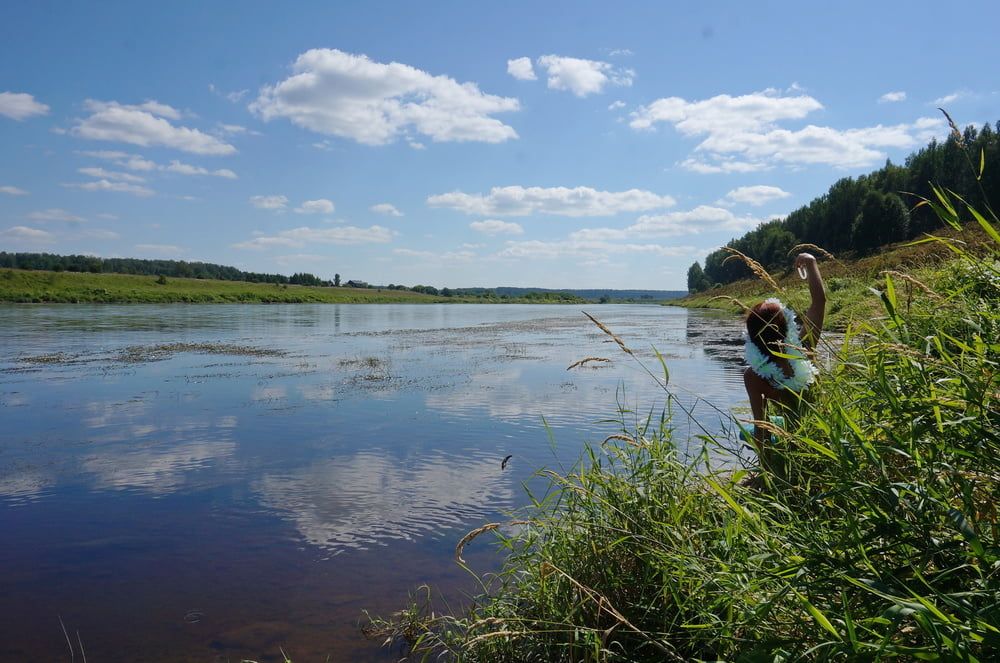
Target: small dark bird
(503,464)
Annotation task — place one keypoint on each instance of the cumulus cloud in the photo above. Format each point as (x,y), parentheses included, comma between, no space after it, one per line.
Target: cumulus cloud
(269,202)
(947,99)
(13,191)
(742,133)
(582,77)
(521,69)
(25,235)
(305,236)
(756,195)
(892,97)
(146,125)
(342,94)
(386,208)
(20,106)
(703,218)
(109,174)
(187,169)
(320,206)
(494,227)
(588,249)
(615,105)
(560,201)
(108,185)
(122,159)
(54,214)
(447,257)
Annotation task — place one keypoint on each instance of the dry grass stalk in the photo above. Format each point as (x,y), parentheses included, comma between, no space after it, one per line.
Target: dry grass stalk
(954,129)
(815,249)
(586,361)
(623,438)
(730,299)
(494,634)
(610,333)
(754,266)
(910,279)
(469,537)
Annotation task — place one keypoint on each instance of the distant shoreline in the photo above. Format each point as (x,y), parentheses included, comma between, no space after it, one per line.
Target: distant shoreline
(18,286)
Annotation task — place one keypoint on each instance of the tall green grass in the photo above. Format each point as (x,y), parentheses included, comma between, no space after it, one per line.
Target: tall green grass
(879,541)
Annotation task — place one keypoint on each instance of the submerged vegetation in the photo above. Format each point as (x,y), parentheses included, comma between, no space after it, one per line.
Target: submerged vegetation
(880,540)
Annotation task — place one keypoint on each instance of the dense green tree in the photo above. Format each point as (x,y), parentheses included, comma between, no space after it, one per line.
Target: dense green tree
(697,281)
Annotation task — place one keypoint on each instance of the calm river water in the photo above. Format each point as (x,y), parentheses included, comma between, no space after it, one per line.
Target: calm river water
(211,483)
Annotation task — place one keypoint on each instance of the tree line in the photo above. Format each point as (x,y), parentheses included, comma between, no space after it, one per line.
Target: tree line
(175,268)
(859,215)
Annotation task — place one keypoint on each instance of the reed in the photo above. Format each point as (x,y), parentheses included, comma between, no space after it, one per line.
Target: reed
(754,266)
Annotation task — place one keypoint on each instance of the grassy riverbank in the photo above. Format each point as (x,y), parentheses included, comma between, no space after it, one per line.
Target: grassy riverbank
(39,286)
(878,540)
(848,281)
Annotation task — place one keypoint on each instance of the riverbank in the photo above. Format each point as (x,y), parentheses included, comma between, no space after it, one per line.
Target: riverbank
(36,286)
(876,537)
(849,280)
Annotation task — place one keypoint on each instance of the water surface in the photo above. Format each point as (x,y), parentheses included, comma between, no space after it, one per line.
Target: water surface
(211,483)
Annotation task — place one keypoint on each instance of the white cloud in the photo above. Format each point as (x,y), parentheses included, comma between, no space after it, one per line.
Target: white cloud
(320,206)
(187,169)
(587,248)
(446,257)
(756,195)
(722,165)
(108,185)
(233,129)
(582,77)
(341,94)
(703,218)
(146,125)
(892,97)
(269,202)
(123,159)
(13,191)
(947,99)
(305,236)
(521,69)
(109,174)
(160,249)
(561,201)
(55,214)
(20,106)
(615,105)
(23,234)
(494,227)
(724,113)
(621,52)
(741,133)
(386,208)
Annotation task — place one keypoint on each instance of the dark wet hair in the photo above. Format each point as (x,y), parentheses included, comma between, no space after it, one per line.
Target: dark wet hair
(767,327)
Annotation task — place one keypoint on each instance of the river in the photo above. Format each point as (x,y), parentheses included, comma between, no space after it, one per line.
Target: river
(211,483)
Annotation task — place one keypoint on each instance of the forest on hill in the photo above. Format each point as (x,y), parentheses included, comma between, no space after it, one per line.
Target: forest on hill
(859,215)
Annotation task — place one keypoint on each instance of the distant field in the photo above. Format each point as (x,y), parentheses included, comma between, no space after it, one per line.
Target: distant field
(72,287)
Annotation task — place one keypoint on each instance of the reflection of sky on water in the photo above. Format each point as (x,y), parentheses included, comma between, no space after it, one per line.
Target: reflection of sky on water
(371,497)
(380,427)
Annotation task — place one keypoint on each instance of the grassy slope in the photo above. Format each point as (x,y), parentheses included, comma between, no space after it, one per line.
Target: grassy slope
(847,281)
(39,286)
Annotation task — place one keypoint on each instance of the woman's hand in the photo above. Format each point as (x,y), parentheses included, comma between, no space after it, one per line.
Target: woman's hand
(805,261)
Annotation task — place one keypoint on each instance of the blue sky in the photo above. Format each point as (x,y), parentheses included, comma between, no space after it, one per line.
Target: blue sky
(458,143)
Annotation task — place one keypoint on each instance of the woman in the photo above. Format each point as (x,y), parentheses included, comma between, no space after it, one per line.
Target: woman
(778,368)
